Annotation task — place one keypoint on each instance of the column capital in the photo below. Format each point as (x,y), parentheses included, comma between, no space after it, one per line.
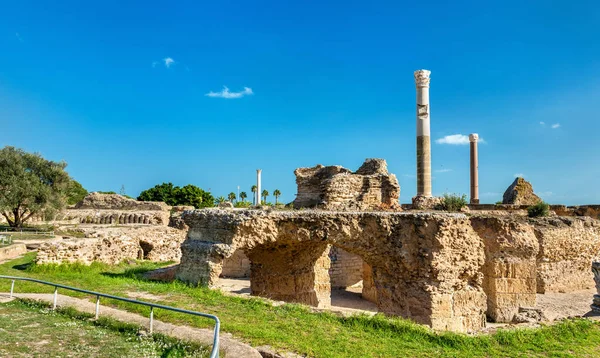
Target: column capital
(473,137)
(258,170)
(422,78)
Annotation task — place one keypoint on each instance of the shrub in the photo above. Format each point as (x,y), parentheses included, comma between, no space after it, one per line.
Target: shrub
(452,202)
(538,210)
(243,204)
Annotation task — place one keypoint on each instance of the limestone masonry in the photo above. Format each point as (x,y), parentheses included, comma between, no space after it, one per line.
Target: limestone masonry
(371,187)
(449,271)
(520,192)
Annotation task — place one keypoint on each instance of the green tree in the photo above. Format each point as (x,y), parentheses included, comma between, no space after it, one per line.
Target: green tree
(219,200)
(174,195)
(243,196)
(162,192)
(254,189)
(276,194)
(75,192)
(192,195)
(231,197)
(265,194)
(30,185)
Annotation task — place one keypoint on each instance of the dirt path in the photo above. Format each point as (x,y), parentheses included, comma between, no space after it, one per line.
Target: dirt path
(228,347)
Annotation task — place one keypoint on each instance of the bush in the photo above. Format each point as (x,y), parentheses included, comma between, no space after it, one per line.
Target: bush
(452,202)
(538,210)
(243,204)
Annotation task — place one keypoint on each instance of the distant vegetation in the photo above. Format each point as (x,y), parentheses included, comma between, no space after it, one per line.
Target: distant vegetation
(452,202)
(538,210)
(174,195)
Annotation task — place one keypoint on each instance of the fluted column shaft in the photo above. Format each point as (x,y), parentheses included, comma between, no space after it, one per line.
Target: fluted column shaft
(473,138)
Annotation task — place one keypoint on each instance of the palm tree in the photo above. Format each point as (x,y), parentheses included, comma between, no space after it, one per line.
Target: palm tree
(243,196)
(254,188)
(231,197)
(276,194)
(265,194)
(220,200)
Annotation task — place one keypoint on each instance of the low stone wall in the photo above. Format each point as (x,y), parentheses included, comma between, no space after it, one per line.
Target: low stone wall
(119,202)
(12,251)
(114,245)
(116,217)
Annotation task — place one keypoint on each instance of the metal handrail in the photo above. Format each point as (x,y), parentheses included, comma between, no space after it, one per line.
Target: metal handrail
(215,349)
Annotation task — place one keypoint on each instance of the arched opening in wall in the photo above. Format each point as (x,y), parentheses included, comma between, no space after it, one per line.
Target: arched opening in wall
(352,285)
(235,274)
(146,249)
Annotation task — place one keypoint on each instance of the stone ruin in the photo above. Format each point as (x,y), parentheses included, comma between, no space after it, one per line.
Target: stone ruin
(520,192)
(371,187)
(449,271)
(98,208)
(118,228)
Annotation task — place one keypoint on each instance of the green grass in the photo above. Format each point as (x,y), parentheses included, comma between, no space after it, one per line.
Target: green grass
(294,328)
(32,329)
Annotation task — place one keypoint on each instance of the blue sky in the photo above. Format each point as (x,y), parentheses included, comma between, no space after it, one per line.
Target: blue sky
(120,91)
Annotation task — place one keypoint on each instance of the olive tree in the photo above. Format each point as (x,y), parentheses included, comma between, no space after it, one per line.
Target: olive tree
(30,185)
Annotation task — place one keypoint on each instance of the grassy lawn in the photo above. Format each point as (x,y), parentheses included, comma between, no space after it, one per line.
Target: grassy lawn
(32,330)
(295,328)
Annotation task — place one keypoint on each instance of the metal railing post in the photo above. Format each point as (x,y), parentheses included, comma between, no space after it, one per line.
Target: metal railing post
(12,288)
(97,306)
(215,349)
(55,297)
(151,319)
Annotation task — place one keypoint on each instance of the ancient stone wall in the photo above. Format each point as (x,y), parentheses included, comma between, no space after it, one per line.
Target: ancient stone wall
(445,270)
(567,248)
(114,245)
(346,269)
(520,192)
(116,217)
(419,270)
(119,202)
(510,265)
(337,188)
(236,266)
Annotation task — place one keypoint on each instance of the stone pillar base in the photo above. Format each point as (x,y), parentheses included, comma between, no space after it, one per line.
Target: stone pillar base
(474,201)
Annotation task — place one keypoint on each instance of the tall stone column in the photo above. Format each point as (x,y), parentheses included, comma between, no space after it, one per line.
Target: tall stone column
(423,134)
(258,171)
(473,138)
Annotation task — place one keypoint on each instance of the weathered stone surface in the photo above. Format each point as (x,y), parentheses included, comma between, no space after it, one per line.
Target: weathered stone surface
(225,205)
(568,245)
(337,188)
(108,216)
(12,251)
(118,202)
(113,245)
(419,269)
(520,192)
(426,203)
(510,265)
(237,265)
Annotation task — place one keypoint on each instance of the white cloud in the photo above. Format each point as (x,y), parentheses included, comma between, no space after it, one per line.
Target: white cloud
(226,94)
(543,123)
(456,139)
(443,170)
(519,175)
(545,193)
(168,62)
(555,125)
(409,175)
(490,194)
(154,63)
(18,37)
